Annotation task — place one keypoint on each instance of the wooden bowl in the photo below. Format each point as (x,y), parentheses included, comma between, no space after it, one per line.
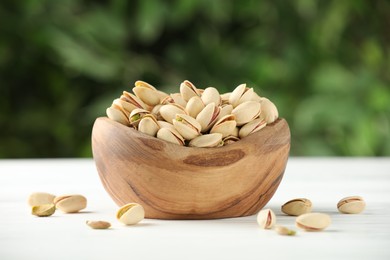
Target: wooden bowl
(177,182)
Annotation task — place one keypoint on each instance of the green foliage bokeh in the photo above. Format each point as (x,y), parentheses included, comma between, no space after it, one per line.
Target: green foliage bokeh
(325,64)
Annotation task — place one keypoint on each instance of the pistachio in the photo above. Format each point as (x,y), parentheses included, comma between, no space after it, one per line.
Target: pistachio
(187,126)
(43,210)
(313,221)
(98,224)
(147,93)
(164,124)
(188,90)
(169,112)
(208,116)
(136,115)
(268,110)
(194,106)
(117,115)
(211,95)
(131,214)
(266,219)
(178,99)
(225,98)
(225,110)
(226,126)
(170,135)
(148,125)
(297,207)
(208,140)
(246,112)
(240,95)
(123,106)
(39,198)
(252,127)
(284,231)
(351,205)
(130,98)
(230,139)
(70,203)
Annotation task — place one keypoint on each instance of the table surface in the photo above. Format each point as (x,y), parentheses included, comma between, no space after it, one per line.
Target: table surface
(65,236)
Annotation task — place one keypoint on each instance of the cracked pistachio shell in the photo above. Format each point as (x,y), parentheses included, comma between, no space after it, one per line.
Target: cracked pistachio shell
(168,112)
(162,95)
(194,106)
(178,99)
(70,203)
(226,126)
(208,140)
(156,112)
(225,110)
(246,112)
(147,93)
(170,135)
(225,98)
(313,221)
(39,198)
(266,219)
(208,116)
(240,95)
(98,224)
(43,210)
(148,125)
(268,110)
(252,127)
(117,115)
(188,90)
(125,106)
(136,115)
(131,214)
(133,99)
(297,207)
(230,139)
(351,205)
(187,126)
(211,95)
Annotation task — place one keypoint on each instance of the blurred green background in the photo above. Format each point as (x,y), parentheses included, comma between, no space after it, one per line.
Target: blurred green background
(325,64)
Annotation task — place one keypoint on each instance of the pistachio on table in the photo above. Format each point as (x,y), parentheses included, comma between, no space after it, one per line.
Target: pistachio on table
(43,210)
(266,218)
(130,214)
(351,205)
(297,207)
(98,224)
(39,198)
(284,231)
(193,112)
(70,203)
(313,221)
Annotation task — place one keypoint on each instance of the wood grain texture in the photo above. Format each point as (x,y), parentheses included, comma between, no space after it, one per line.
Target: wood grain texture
(175,182)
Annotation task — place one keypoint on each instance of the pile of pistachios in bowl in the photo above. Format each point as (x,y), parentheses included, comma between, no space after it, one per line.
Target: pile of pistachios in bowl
(193,117)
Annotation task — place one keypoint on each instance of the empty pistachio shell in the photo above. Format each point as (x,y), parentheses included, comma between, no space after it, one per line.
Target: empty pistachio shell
(268,110)
(117,115)
(194,106)
(170,135)
(226,126)
(70,203)
(98,224)
(187,126)
(284,231)
(148,125)
(188,90)
(169,112)
(297,207)
(246,112)
(208,116)
(266,219)
(146,92)
(252,127)
(211,95)
(131,214)
(351,205)
(43,210)
(313,221)
(39,198)
(208,140)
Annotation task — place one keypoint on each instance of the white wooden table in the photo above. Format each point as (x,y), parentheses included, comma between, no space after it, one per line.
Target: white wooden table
(65,236)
